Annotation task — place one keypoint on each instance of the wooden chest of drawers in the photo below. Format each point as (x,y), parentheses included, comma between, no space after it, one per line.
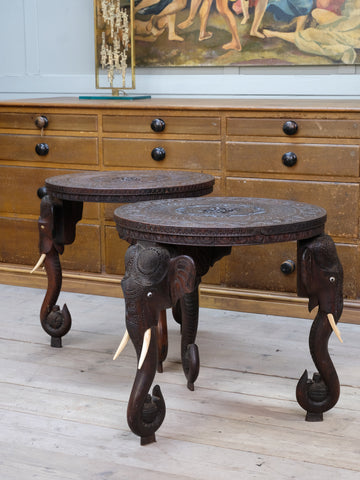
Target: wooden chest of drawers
(298,150)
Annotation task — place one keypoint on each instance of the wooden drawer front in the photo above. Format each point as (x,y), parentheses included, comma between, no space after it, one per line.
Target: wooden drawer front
(258,267)
(81,123)
(77,150)
(19,186)
(84,253)
(173,125)
(191,155)
(115,250)
(340,200)
(310,159)
(20,239)
(273,127)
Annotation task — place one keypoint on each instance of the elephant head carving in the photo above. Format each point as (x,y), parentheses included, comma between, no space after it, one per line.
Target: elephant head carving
(321,277)
(321,280)
(154,280)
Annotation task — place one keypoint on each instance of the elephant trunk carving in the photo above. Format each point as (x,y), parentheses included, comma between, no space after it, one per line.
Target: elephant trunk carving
(154,280)
(54,321)
(322,392)
(189,304)
(321,279)
(145,412)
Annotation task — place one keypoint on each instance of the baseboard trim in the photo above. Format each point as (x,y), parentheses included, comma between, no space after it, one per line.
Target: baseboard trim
(211,296)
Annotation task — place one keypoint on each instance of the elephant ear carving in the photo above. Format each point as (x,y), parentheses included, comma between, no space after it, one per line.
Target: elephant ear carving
(46,224)
(306,277)
(147,265)
(182,276)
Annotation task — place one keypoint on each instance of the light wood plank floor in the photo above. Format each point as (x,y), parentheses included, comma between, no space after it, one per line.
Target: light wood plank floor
(63,411)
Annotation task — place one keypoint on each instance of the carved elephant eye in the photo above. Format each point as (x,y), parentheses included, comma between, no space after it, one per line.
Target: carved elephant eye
(149,294)
(332,279)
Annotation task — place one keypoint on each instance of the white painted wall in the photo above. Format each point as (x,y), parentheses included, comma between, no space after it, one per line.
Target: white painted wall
(47,49)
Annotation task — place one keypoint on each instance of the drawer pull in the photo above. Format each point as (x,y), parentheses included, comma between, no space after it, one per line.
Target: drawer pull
(287,267)
(290,127)
(289,159)
(41,122)
(42,149)
(158,125)
(158,153)
(41,192)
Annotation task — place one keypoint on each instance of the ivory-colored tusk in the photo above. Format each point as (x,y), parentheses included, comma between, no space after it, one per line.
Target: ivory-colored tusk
(334,326)
(122,345)
(39,263)
(145,347)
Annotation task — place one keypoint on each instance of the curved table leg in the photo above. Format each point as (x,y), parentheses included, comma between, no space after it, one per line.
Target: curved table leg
(155,279)
(145,412)
(186,312)
(162,340)
(56,224)
(320,277)
(189,305)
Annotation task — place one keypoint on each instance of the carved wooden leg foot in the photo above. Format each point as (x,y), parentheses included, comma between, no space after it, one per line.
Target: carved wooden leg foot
(56,342)
(317,393)
(191,364)
(314,417)
(147,440)
(56,323)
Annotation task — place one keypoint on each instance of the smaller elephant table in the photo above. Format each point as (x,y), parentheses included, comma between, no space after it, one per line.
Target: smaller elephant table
(177,241)
(61,208)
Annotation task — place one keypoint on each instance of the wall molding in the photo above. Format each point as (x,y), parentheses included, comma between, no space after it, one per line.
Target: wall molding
(31,29)
(222,86)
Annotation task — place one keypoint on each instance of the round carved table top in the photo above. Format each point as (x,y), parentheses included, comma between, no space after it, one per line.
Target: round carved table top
(129,186)
(219,221)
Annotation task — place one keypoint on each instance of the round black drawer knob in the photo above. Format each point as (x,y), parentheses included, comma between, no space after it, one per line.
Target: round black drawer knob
(287,267)
(158,154)
(41,192)
(289,159)
(158,125)
(290,127)
(41,122)
(42,149)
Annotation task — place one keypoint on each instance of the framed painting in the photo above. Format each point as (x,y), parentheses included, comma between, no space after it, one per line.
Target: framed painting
(246,32)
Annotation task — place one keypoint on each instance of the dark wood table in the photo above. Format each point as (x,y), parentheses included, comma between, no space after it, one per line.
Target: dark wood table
(61,208)
(174,242)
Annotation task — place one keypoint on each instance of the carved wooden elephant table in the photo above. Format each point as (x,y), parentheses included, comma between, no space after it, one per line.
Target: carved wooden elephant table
(177,241)
(61,208)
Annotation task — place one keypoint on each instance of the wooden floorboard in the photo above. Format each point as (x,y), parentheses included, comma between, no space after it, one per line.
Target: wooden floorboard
(63,411)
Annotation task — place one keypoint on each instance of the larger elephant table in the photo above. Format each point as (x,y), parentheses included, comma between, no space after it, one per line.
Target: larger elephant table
(61,208)
(177,241)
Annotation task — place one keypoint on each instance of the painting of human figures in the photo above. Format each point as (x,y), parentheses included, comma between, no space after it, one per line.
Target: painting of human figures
(246,32)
